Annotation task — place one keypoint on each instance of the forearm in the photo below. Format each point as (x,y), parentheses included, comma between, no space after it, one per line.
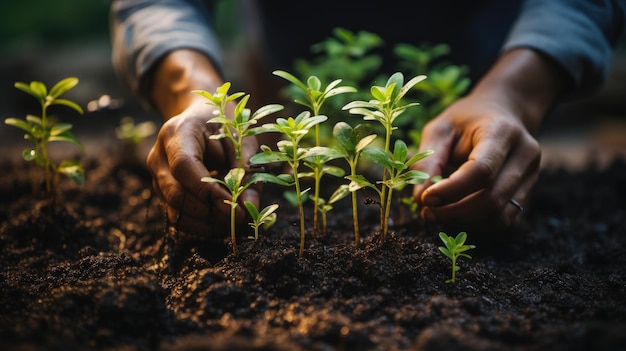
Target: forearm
(175,77)
(526,81)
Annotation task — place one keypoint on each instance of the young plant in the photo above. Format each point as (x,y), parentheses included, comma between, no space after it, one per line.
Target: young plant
(265,218)
(350,142)
(348,55)
(291,152)
(398,172)
(41,130)
(455,248)
(385,107)
(314,98)
(234,182)
(132,135)
(325,206)
(240,125)
(445,84)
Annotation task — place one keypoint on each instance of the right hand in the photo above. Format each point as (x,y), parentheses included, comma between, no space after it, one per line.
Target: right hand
(180,157)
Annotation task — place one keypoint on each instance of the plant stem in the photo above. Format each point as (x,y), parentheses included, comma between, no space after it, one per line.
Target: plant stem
(300,208)
(355,215)
(233,236)
(384,219)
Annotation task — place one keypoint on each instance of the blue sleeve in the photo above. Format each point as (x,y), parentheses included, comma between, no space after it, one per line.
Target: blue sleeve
(578,34)
(144,31)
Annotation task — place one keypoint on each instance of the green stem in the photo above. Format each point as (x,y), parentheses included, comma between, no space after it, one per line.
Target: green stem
(233,236)
(355,215)
(453,270)
(316,196)
(383,187)
(300,208)
(387,213)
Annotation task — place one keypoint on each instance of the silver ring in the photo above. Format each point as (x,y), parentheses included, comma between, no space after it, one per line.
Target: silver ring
(516,204)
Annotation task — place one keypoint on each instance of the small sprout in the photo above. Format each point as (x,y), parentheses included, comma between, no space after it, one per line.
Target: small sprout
(291,152)
(265,218)
(315,97)
(234,182)
(397,166)
(350,143)
(41,130)
(241,124)
(385,107)
(455,248)
(326,206)
(134,134)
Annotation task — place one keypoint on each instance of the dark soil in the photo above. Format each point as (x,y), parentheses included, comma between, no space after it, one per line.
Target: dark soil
(101,274)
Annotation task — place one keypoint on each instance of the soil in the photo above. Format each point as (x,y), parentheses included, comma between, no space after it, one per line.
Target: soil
(102,271)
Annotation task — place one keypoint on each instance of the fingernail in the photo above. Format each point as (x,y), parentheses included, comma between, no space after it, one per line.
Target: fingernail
(431,200)
(428,216)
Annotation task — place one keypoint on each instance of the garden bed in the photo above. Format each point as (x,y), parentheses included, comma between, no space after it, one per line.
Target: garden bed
(102,274)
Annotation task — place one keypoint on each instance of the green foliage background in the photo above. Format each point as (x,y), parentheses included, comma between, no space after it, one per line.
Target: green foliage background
(46,22)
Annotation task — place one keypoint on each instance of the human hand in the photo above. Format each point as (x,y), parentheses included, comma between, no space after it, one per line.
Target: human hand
(180,157)
(487,157)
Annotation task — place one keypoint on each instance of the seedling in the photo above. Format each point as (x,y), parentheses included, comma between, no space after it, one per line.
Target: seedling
(350,143)
(240,125)
(134,134)
(455,248)
(41,130)
(445,84)
(265,218)
(398,175)
(385,107)
(325,206)
(314,98)
(291,152)
(347,55)
(234,182)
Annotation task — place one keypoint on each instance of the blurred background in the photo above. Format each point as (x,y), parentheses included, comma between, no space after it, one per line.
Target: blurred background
(50,40)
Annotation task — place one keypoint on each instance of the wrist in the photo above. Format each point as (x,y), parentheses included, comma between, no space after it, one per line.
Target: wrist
(176,76)
(527,82)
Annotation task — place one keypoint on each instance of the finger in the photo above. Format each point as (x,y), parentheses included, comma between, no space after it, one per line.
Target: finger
(438,137)
(483,165)
(491,209)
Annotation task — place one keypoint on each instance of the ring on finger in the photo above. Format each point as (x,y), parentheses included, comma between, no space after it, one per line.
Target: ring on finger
(516,204)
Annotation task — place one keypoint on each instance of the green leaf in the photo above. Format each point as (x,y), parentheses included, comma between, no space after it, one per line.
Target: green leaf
(252,210)
(418,156)
(63,86)
(314,83)
(269,157)
(342,191)
(240,107)
(291,78)
(380,156)
(26,88)
(408,86)
(39,89)
(363,143)
(67,137)
(70,104)
(233,178)
(267,110)
(34,120)
(74,170)
(19,123)
(60,128)
(358,182)
(283,179)
(29,154)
